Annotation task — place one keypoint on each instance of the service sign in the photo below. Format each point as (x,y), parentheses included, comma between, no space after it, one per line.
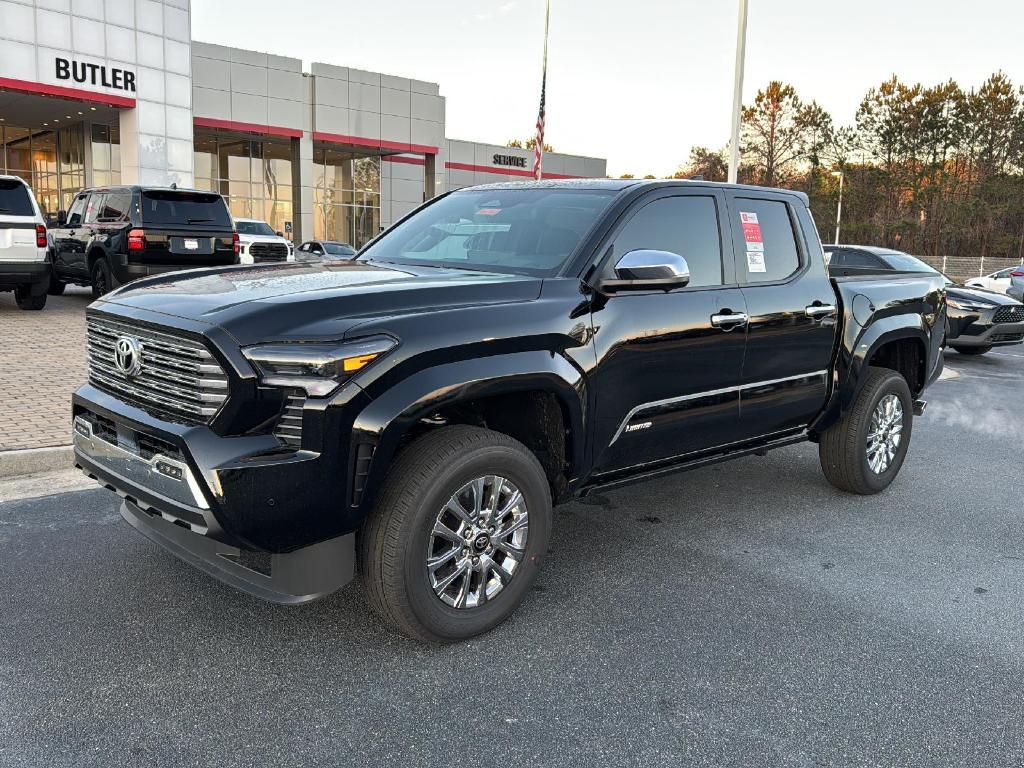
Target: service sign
(515,161)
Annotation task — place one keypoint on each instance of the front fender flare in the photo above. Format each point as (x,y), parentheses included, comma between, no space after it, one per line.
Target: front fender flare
(387,419)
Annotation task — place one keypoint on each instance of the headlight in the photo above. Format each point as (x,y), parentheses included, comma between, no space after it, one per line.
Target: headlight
(969,306)
(319,369)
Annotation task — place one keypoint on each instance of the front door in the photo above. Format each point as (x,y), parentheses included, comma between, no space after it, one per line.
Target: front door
(792,312)
(668,363)
(69,240)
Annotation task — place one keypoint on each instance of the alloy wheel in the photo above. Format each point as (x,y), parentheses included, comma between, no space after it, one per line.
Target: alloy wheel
(884,434)
(477,542)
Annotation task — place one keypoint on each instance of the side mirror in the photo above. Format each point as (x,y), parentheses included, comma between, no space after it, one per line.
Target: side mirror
(62,218)
(646,270)
(279,234)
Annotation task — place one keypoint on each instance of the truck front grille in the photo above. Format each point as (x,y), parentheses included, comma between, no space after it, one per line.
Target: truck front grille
(289,423)
(1014,313)
(177,378)
(261,252)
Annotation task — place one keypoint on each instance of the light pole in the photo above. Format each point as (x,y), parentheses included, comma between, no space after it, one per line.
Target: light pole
(839,208)
(737,91)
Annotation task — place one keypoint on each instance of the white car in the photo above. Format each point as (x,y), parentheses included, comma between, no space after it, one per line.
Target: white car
(997,281)
(24,267)
(260,244)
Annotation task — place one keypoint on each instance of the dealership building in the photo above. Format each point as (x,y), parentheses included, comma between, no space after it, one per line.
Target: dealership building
(98,92)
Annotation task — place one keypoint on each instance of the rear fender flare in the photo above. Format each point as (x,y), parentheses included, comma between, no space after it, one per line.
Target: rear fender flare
(390,415)
(852,366)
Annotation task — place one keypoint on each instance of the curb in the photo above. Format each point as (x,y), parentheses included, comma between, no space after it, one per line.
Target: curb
(33,460)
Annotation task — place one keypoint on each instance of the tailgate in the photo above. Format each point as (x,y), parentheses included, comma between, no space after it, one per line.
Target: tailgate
(186,248)
(18,242)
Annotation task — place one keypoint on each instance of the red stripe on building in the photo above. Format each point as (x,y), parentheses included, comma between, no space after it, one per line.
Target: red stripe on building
(359,141)
(406,160)
(59,91)
(504,171)
(231,125)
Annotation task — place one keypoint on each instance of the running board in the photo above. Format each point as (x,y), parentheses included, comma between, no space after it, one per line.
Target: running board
(919,406)
(684,466)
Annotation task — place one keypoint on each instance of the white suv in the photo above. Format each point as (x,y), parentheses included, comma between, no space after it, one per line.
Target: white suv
(259,243)
(24,268)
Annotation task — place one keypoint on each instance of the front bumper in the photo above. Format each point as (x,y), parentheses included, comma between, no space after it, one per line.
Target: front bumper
(981,334)
(245,510)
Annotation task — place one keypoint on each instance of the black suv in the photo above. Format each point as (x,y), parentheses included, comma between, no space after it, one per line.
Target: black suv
(114,235)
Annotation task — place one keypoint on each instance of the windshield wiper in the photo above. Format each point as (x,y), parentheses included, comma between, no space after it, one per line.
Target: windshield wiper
(199,221)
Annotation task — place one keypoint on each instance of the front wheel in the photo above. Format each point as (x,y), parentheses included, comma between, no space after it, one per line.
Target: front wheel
(457,536)
(865,450)
(972,350)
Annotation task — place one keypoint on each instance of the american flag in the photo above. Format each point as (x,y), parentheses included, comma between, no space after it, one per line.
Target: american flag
(538,151)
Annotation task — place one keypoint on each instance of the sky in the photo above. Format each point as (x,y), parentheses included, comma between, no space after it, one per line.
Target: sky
(638,82)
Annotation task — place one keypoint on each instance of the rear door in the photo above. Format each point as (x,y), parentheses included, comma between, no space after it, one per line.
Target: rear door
(792,312)
(667,365)
(184,229)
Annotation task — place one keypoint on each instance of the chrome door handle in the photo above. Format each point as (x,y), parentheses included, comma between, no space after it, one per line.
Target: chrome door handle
(729,321)
(820,310)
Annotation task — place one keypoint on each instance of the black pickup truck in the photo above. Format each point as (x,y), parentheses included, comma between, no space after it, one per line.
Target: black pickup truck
(415,413)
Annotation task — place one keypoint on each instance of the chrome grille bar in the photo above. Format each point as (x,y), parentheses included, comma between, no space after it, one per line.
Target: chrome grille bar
(179,379)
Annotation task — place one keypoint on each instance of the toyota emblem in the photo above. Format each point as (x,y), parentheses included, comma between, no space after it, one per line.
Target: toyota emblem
(128,356)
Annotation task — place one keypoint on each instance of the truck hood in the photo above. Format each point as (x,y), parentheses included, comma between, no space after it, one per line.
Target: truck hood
(979,294)
(311,301)
(247,239)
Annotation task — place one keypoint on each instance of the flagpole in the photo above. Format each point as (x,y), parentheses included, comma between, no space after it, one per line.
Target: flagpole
(538,153)
(737,92)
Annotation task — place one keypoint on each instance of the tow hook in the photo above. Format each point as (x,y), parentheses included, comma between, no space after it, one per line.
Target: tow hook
(919,406)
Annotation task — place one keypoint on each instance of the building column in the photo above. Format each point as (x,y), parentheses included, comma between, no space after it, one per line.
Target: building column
(302,188)
(429,176)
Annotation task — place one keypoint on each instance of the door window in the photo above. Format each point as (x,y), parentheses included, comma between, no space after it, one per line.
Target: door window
(769,242)
(94,206)
(685,225)
(115,206)
(75,214)
(850,257)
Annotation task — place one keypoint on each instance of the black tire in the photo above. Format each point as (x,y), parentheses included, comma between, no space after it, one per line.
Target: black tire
(972,350)
(394,541)
(102,280)
(25,299)
(56,287)
(842,449)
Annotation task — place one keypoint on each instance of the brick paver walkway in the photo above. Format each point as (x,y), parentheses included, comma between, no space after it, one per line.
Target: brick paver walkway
(42,361)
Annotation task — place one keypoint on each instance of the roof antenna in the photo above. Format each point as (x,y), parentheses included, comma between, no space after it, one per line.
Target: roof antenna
(174,185)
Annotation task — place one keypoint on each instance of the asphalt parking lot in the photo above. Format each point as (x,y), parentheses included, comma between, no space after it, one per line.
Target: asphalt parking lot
(744,614)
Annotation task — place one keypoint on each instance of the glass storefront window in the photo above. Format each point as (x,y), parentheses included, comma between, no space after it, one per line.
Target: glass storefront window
(51,162)
(255,177)
(346,196)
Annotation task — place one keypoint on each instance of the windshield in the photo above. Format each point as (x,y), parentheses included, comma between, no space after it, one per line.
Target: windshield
(904,262)
(521,231)
(339,249)
(171,207)
(14,199)
(254,228)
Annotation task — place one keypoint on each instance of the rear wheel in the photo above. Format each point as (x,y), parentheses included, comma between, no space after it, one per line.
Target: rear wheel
(25,299)
(102,281)
(864,451)
(972,350)
(457,536)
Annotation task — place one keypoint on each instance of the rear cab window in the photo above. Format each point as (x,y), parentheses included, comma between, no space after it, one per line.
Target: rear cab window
(15,199)
(160,207)
(767,246)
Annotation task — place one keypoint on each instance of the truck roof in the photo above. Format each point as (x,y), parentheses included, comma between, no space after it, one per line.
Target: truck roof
(618,185)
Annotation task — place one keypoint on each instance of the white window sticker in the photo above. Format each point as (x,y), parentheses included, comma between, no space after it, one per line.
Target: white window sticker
(755,261)
(755,247)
